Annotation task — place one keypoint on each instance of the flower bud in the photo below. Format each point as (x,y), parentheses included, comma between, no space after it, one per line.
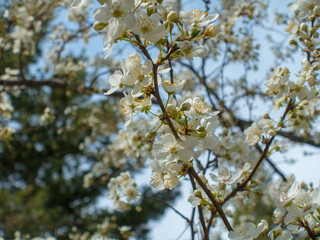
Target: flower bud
(266,116)
(203,178)
(310,80)
(211,31)
(313,30)
(293,42)
(197,193)
(277,231)
(151,10)
(316,66)
(307,42)
(150,136)
(138,209)
(304,27)
(173,16)
(170,108)
(268,92)
(272,132)
(316,10)
(98,26)
(186,106)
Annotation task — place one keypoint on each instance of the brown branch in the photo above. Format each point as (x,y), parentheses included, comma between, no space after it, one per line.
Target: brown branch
(58,83)
(203,224)
(311,233)
(212,199)
(213,214)
(53,83)
(275,168)
(242,186)
(191,223)
(291,136)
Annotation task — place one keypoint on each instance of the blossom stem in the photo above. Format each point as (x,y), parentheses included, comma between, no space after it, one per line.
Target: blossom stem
(137,7)
(169,95)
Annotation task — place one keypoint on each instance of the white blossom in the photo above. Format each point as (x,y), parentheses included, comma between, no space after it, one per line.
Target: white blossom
(248,231)
(168,149)
(149,27)
(225,176)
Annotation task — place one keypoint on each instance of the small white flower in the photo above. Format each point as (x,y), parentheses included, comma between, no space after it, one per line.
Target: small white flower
(248,231)
(164,177)
(129,107)
(112,31)
(170,150)
(289,196)
(172,87)
(189,51)
(118,10)
(137,75)
(197,18)
(148,27)
(115,80)
(257,129)
(198,109)
(225,176)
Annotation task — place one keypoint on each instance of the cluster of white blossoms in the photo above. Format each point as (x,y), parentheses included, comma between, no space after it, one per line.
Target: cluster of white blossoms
(10,74)
(200,197)
(122,190)
(195,123)
(248,231)
(184,127)
(6,110)
(103,232)
(129,143)
(283,89)
(127,20)
(233,148)
(224,178)
(305,8)
(261,130)
(298,209)
(21,39)
(192,120)
(19,236)
(47,116)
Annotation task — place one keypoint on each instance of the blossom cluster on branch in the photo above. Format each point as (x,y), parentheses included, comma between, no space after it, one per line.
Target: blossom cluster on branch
(184,127)
(182,109)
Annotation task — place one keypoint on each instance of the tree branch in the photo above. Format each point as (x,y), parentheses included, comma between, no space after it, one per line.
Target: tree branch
(211,197)
(203,224)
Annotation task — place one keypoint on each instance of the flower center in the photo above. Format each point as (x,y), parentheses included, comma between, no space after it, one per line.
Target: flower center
(173,149)
(117,13)
(201,108)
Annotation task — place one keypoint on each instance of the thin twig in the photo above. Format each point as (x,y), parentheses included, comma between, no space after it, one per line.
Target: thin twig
(168,205)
